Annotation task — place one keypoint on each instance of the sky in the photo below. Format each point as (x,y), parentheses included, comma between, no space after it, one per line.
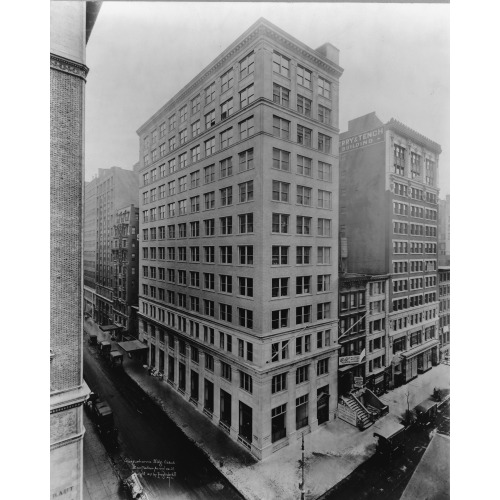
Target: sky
(140,54)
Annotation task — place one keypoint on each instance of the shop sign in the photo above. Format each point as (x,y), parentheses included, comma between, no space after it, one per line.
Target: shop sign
(346,414)
(349,360)
(358,381)
(362,140)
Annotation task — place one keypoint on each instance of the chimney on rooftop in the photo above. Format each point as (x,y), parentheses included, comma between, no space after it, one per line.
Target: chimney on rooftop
(329,51)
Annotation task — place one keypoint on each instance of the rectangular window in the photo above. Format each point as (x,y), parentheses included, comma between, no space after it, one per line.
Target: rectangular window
(183,136)
(226,138)
(209,199)
(281,95)
(226,313)
(195,204)
(209,225)
(246,128)
(303,255)
(245,317)
(304,135)
(279,255)
(281,159)
(226,225)
(279,287)
(226,254)
(279,319)
(195,128)
(182,161)
(209,281)
(322,367)
(303,285)
(226,109)
(280,223)
(324,114)
(324,199)
(226,283)
(324,227)
(281,64)
(210,119)
(245,191)
(302,374)
(245,255)
(225,371)
(210,93)
(194,228)
(245,286)
(247,96)
(304,166)
(183,113)
(246,382)
(227,80)
(324,255)
(171,143)
(281,127)
(209,253)
(226,168)
(247,65)
(209,307)
(281,191)
(324,88)
(302,411)
(246,160)
(278,383)
(195,254)
(303,225)
(210,146)
(302,315)
(245,223)
(324,282)
(226,196)
(304,77)
(324,143)
(304,195)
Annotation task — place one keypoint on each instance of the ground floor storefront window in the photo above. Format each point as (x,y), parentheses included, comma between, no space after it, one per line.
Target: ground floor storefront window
(278,422)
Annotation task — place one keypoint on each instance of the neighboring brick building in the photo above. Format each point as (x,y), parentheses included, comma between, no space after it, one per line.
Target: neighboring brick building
(115,188)
(89,247)
(125,256)
(71,23)
(238,293)
(388,225)
(444,311)
(444,232)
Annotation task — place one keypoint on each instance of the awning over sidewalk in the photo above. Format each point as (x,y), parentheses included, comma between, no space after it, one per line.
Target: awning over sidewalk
(131,345)
(421,348)
(109,328)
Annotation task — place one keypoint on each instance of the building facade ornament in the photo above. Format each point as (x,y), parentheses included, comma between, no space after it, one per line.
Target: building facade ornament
(68,66)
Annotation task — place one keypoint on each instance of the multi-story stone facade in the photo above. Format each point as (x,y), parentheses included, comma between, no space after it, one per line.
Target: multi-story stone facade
(125,255)
(388,225)
(115,188)
(238,291)
(89,247)
(71,24)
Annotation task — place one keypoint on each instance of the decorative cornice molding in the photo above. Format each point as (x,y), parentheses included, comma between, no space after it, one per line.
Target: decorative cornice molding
(413,135)
(68,66)
(262,29)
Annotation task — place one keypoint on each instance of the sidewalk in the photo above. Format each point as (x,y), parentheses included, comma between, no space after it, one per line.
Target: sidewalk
(331,453)
(100,481)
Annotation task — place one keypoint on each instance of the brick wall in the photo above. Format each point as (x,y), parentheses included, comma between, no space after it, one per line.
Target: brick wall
(66,176)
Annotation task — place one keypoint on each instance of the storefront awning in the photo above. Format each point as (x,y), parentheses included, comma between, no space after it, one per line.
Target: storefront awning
(421,348)
(348,367)
(131,345)
(109,328)
(116,354)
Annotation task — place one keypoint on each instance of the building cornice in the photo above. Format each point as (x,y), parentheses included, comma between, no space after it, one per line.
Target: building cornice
(68,66)
(406,131)
(261,27)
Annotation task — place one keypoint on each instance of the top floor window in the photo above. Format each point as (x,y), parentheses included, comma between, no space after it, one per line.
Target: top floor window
(281,64)
(210,93)
(416,165)
(247,65)
(304,77)
(324,87)
(183,113)
(227,80)
(195,104)
(171,123)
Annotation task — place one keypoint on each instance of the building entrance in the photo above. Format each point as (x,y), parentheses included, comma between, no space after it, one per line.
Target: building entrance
(246,422)
(322,405)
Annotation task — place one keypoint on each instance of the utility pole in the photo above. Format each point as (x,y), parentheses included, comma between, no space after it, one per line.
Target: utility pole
(302,492)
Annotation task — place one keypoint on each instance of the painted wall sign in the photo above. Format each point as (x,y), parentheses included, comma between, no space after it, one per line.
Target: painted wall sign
(362,140)
(346,414)
(349,360)
(358,381)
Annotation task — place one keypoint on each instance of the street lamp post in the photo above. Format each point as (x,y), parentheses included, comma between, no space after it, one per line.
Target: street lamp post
(302,492)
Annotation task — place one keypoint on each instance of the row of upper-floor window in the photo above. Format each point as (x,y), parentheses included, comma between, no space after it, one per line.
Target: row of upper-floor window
(413,319)
(402,285)
(413,339)
(281,161)
(280,254)
(245,67)
(280,192)
(444,276)
(444,290)
(399,247)
(414,266)
(281,318)
(226,138)
(399,227)
(414,193)
(414,211)
(416,169)
(207,307)
(413,301)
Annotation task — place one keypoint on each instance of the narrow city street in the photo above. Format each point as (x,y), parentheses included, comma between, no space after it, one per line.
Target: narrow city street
(381,478)
(145,433)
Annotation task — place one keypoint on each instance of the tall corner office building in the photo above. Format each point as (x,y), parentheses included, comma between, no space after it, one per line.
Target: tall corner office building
(238,226)
(388,224)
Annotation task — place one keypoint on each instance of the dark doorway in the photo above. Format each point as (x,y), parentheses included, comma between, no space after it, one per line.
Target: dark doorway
(225,407)
(246,422)
(322,404)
